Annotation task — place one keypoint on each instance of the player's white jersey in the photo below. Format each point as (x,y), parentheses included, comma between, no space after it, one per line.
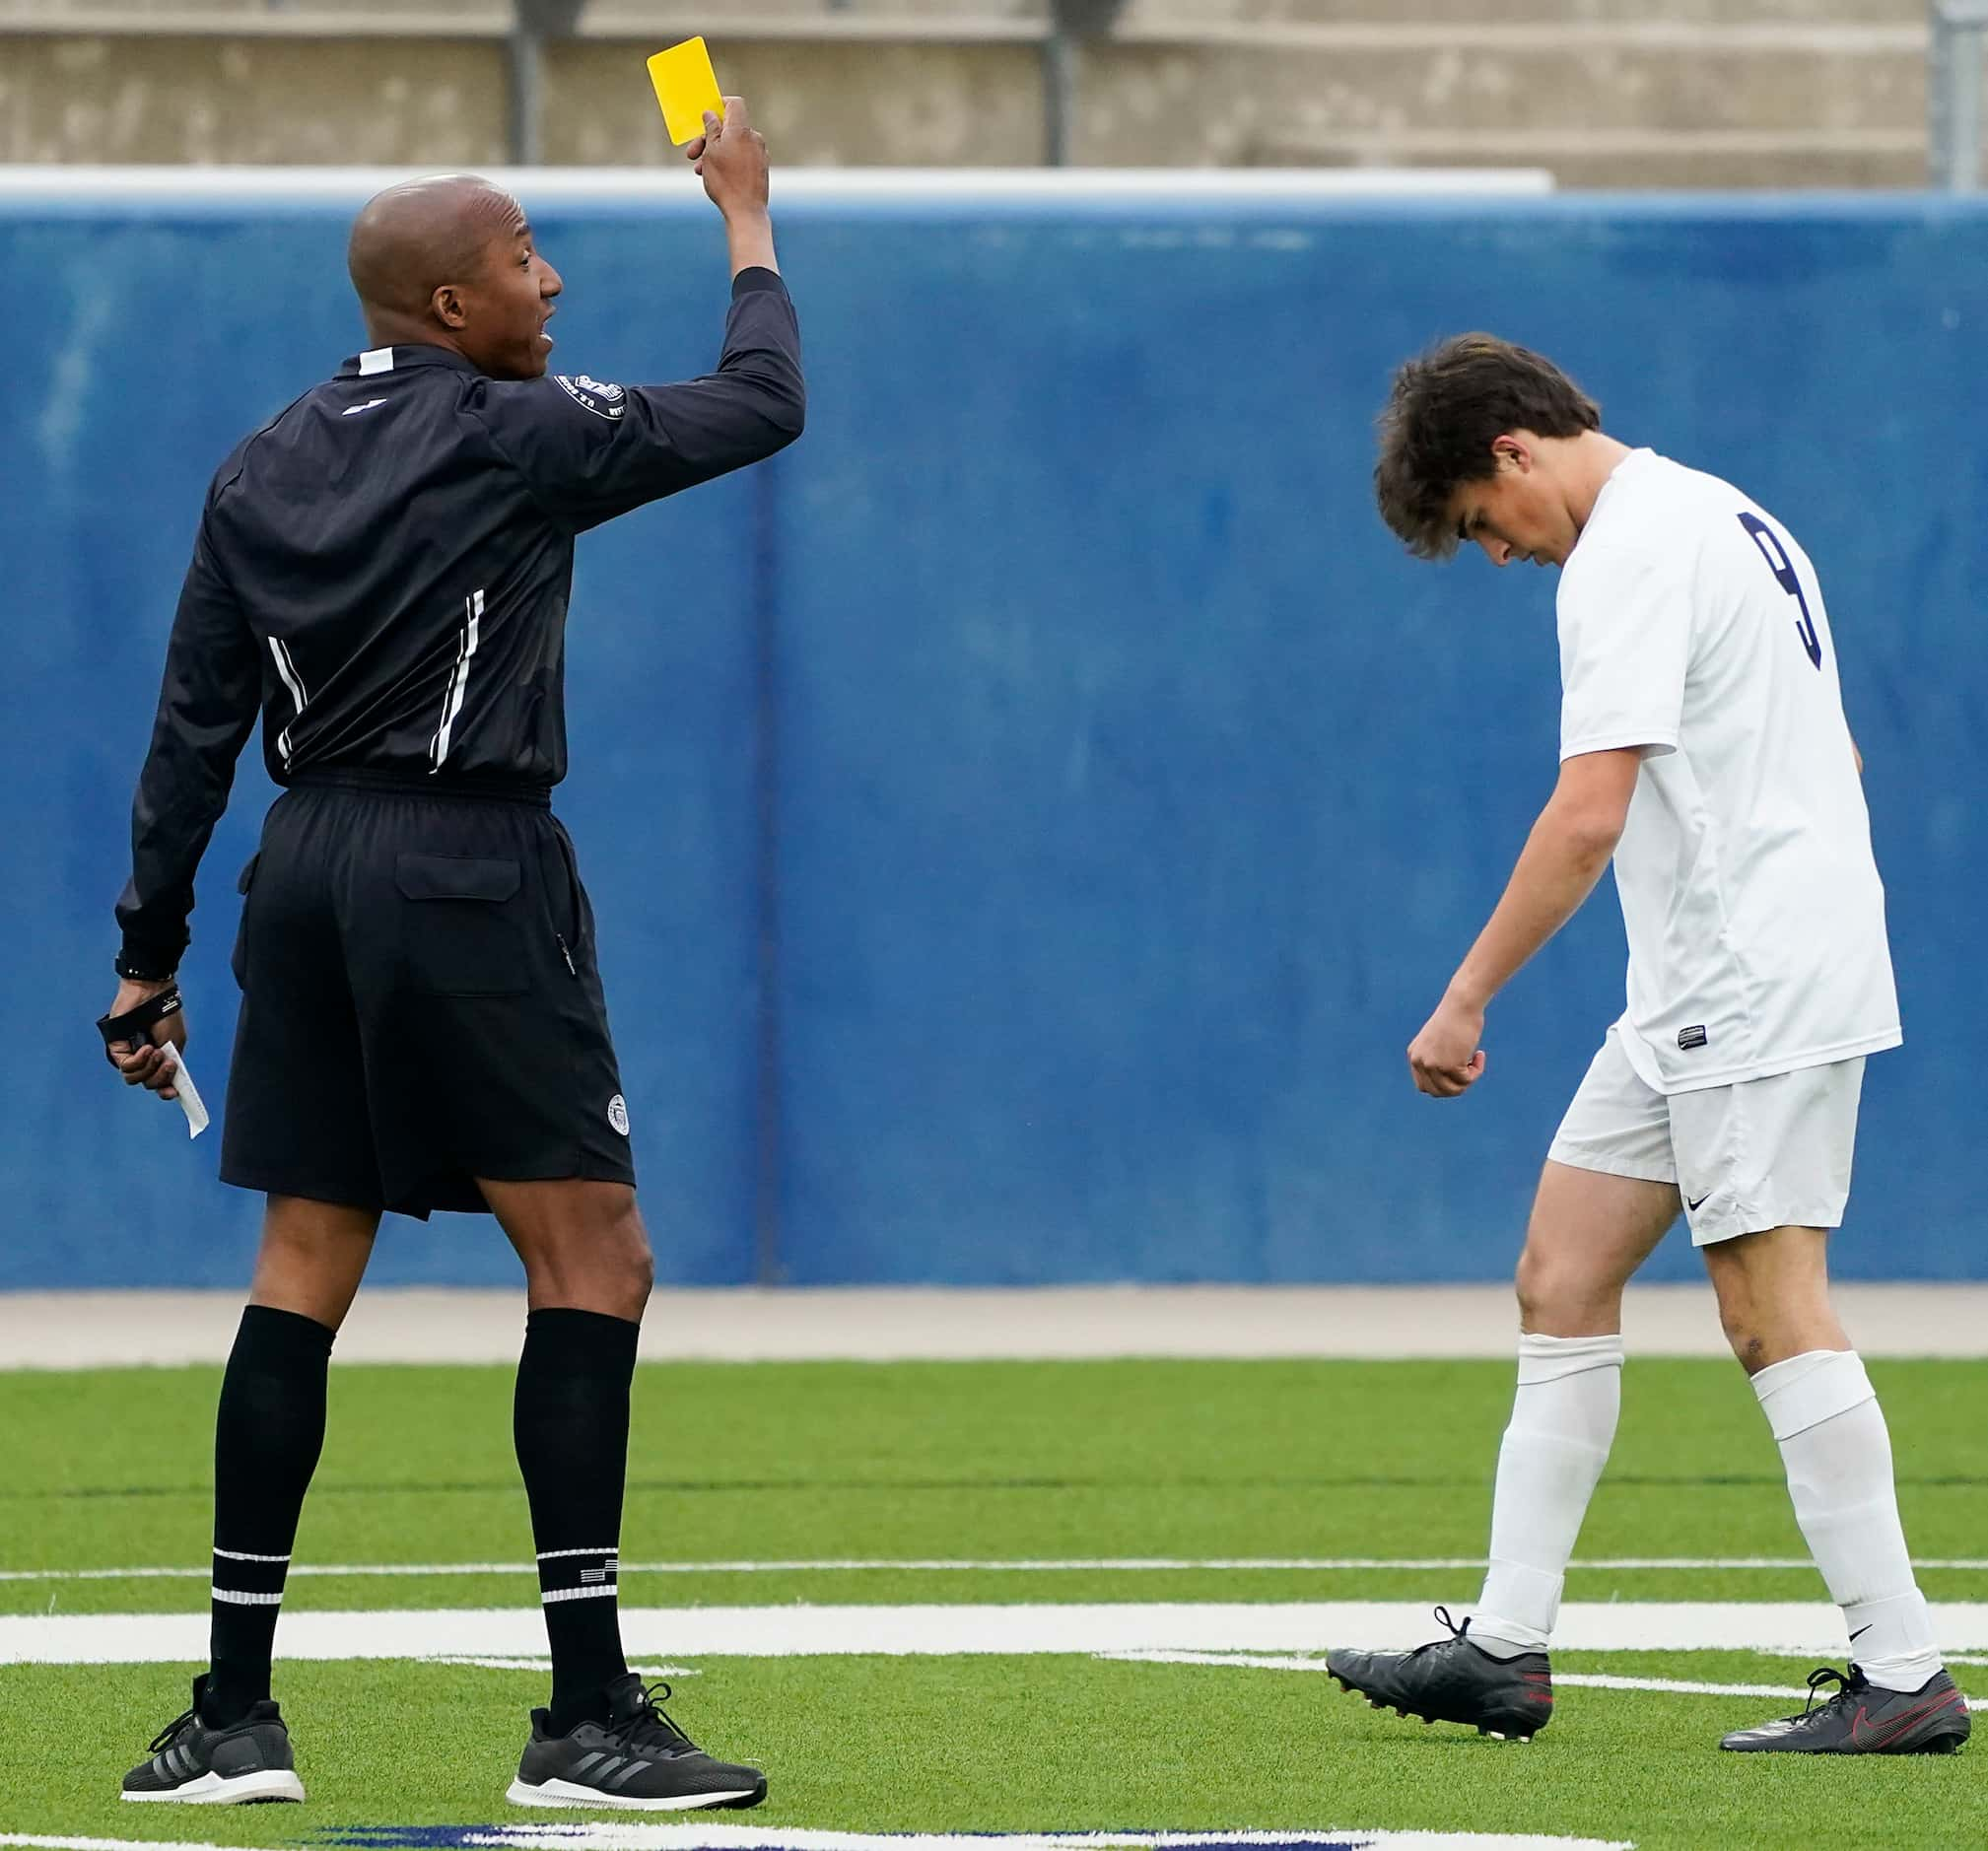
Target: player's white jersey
(1692,625)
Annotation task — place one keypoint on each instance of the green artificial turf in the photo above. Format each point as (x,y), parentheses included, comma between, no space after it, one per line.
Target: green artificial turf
(829,1463)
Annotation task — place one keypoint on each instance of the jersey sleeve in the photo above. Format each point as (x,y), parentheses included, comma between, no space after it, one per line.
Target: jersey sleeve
(588,450)
(1625,638)
(208,703)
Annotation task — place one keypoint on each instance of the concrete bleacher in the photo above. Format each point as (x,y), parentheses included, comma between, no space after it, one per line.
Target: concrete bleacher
(1604,93)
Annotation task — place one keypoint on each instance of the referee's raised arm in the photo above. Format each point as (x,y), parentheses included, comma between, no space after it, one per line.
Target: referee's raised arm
(731,156)
(759,372)
(590,450)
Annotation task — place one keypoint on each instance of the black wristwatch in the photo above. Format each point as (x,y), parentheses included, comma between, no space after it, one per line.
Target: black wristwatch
(133,975)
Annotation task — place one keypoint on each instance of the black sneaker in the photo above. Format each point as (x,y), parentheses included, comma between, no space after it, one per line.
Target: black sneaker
(247,1764)
(638,1758)
(1451,1681)
(1862,1719)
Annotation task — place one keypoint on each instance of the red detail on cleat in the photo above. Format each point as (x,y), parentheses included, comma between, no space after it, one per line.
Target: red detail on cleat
(1865,1737)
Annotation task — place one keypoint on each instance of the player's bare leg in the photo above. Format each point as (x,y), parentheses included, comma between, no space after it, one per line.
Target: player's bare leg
(1773,1292)
(230,1745)
(603,1740)
(1589,1233)
(582,1244)
(312,1256)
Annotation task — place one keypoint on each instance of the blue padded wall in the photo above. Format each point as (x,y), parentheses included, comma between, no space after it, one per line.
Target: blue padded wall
(1029,819)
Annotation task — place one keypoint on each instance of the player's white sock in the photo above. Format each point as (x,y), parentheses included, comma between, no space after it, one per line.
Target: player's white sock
(1563,1422)
(1833,1442)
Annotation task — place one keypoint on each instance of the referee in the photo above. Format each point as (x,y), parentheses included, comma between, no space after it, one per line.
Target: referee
(383,573)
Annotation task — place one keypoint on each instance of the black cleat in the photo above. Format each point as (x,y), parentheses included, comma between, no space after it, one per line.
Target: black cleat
(637,1761)
(247,1764)
(1451,1681)
(1862,1719)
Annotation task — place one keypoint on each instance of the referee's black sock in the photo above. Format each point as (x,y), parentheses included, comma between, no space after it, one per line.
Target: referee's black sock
(571,1424)
(267,1435)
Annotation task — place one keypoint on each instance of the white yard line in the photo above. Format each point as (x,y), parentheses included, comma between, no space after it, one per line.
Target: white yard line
(699,1633)
(1606,1680)
(37,1842)
(616,1835)
(1588,1681)
(543,1661)
(93,1330)
(1101,1564)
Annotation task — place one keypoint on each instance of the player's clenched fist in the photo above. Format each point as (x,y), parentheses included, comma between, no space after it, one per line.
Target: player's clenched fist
(730,154)
(1445,1057)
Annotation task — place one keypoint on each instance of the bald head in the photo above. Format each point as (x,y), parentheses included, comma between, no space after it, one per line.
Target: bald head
(448,261)
(413,239)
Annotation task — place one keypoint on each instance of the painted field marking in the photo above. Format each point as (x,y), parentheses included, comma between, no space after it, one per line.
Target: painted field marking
(616,1836)
(1589,1681)
(36,1841)
(793,1631)
(543,1663)
(1608,1680)
(1103,1564)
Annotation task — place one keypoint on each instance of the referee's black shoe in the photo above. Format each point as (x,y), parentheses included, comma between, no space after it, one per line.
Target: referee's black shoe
(1451,1681)
(638,1760)
(247,1764)
(1863,1719)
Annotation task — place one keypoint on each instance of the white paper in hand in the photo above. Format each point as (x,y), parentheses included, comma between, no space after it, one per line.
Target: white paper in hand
(190,1101)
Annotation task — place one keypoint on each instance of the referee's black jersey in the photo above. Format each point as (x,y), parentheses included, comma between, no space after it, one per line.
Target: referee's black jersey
(382,572)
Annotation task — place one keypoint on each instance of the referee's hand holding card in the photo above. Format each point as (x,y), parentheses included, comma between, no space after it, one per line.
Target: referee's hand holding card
(731,157)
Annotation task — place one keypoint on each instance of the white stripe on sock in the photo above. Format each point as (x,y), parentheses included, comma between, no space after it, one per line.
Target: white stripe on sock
(576,1594)
(234,1597)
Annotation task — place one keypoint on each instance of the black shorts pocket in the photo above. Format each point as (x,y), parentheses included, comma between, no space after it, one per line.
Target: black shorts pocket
(566,901)
(238,960)
(459,934)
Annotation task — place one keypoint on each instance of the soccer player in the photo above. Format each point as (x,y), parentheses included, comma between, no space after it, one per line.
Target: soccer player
(381,573)
(1702,747)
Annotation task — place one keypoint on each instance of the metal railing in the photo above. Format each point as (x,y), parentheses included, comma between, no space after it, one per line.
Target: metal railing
(1071,23)
(1059,29)
(1955,43)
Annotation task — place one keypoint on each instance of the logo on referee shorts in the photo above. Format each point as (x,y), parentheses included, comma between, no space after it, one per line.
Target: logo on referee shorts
(617,1114)
(597,395)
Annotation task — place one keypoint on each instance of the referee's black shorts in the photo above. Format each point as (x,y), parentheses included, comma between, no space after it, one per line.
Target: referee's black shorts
(420,1002)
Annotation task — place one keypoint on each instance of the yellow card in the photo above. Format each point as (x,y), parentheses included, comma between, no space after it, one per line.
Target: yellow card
(686,86)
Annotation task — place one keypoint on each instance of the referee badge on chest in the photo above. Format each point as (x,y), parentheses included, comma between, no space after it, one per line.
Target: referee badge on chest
(597,395)
(617,1114)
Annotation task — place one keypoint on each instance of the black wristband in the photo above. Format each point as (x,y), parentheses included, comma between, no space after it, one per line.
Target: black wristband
(133,975)
(137,1024)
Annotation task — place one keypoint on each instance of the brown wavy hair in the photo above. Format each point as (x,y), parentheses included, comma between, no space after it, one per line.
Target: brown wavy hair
(1445,409)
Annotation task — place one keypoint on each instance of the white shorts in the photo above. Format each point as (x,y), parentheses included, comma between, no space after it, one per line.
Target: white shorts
(1766,1153)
